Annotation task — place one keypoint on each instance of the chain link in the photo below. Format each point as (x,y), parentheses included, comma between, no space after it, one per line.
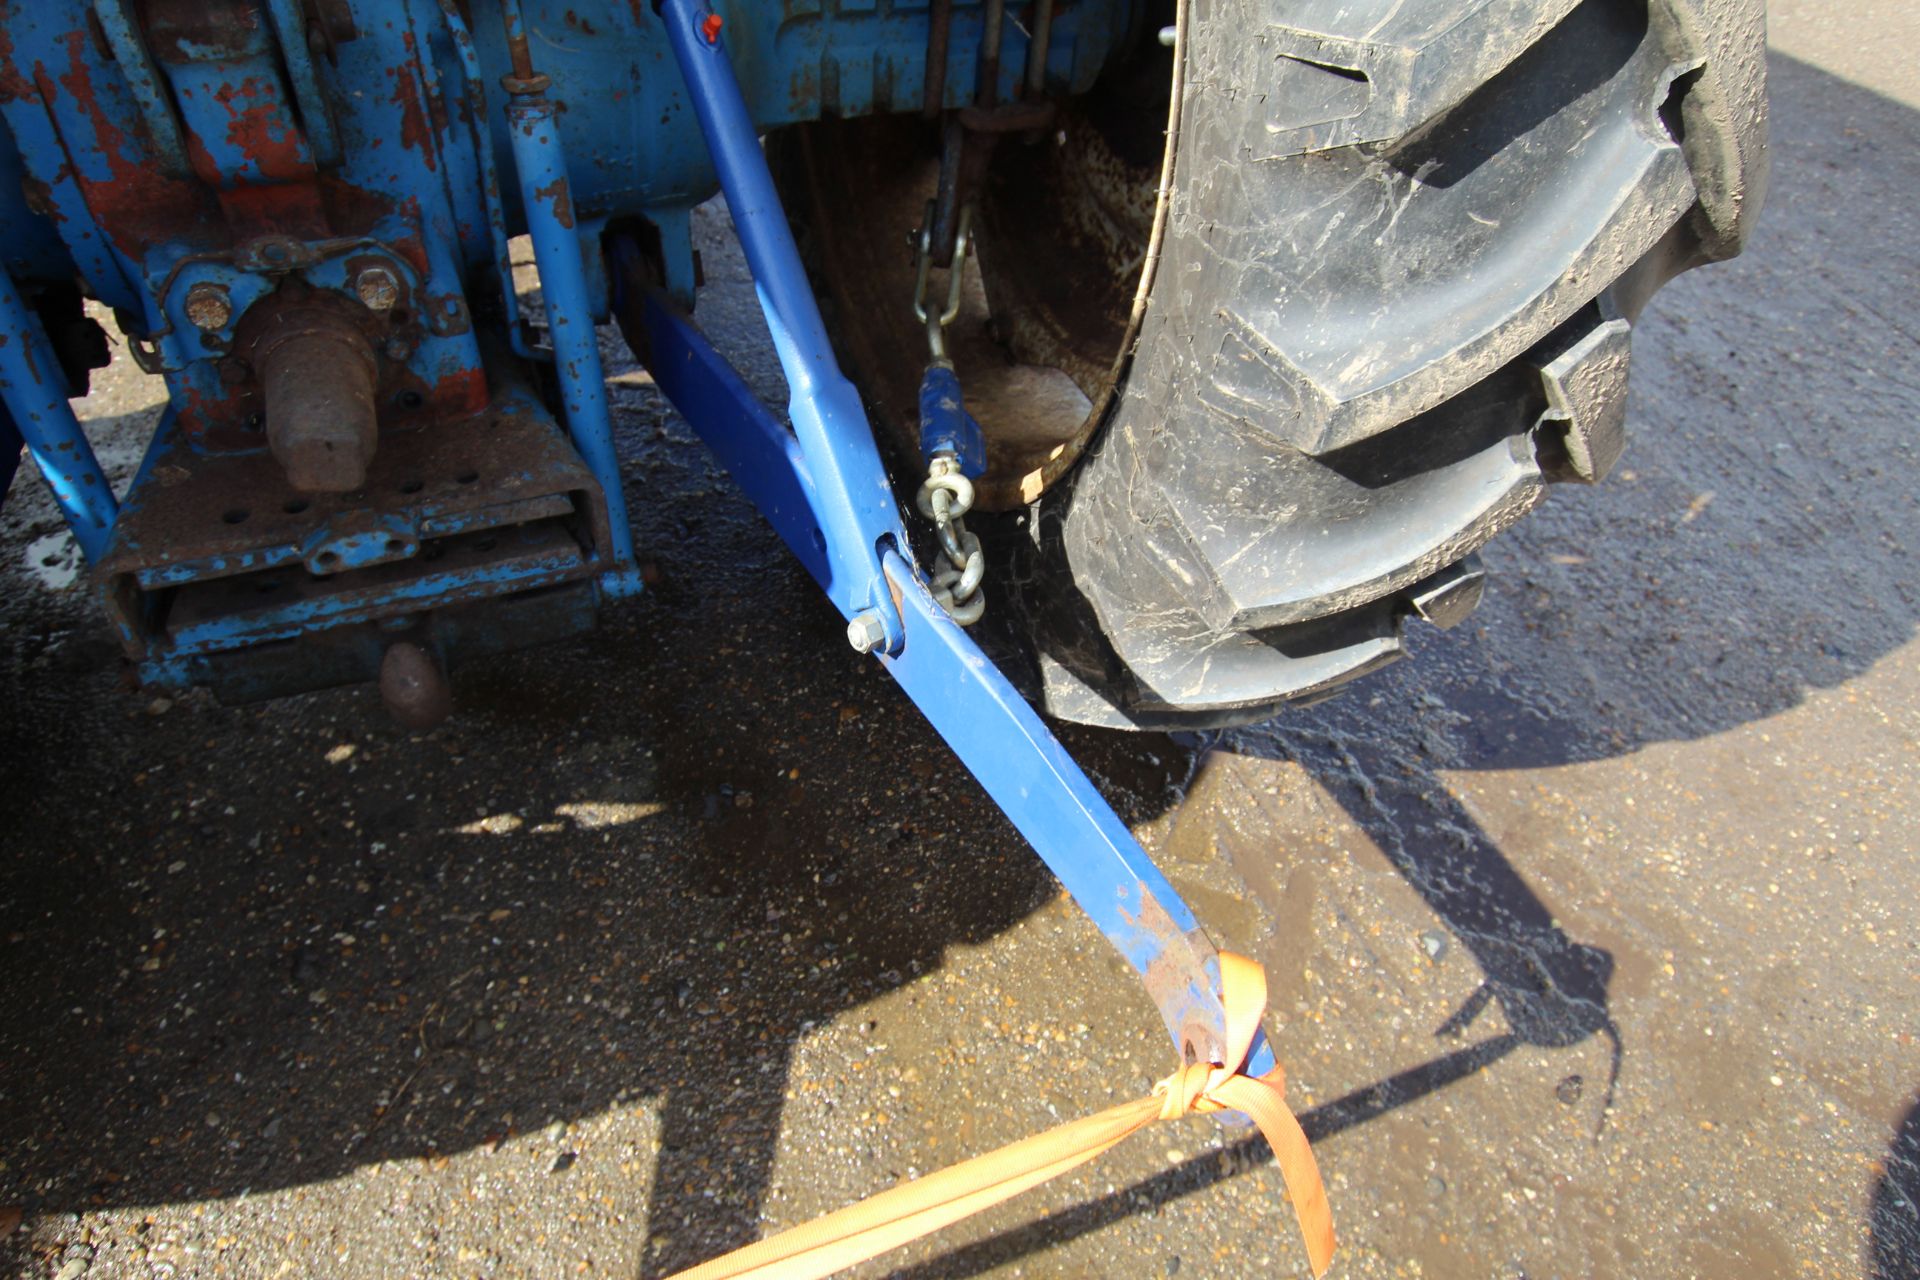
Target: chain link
(937,321)
(944,498)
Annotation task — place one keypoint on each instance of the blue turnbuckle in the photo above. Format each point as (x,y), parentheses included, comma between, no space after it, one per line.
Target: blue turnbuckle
(951,442)
(956,454)
(945,425)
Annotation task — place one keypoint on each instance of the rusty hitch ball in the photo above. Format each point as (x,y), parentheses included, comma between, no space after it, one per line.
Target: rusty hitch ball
(414,687)
(317,374)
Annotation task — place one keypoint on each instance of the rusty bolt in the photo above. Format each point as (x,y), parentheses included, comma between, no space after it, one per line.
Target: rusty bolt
(377,287)
(208,306)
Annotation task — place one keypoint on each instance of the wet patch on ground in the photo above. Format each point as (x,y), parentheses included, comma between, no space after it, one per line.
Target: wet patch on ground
(1590,930)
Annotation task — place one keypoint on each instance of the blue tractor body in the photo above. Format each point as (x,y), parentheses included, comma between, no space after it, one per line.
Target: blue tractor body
(300,211)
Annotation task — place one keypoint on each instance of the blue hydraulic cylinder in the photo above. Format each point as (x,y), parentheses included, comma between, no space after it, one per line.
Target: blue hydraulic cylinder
(859,513)
(945,424)
(548,202)
(34,389)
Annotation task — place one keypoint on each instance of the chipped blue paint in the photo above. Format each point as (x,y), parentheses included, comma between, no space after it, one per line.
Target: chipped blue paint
(155,150)
(283,622)
(546,199)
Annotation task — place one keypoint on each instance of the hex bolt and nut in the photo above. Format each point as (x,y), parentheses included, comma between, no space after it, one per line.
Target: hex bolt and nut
(865,632)
(377,287)
(208,306)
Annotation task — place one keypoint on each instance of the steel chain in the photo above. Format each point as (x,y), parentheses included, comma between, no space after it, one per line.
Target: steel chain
(937,321)
(947,495)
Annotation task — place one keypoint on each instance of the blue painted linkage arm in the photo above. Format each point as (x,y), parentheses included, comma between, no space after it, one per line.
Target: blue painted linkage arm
(826,492)
(859,514)
(997,736)
(34,390)
(547,200)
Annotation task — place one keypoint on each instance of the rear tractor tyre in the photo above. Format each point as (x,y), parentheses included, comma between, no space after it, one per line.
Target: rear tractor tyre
(1259,394)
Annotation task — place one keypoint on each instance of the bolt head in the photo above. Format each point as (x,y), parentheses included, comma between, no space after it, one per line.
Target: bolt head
(866,633)
(377,287)
(208,306)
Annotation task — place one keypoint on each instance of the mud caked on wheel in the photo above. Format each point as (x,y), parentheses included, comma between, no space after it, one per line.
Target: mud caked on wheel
(1277,326)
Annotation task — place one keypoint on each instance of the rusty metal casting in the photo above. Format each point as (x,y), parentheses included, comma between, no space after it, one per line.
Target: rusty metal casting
(317,373)
(414,688)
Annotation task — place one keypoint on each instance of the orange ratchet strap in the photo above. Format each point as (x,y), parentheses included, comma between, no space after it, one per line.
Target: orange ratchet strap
(913,1209)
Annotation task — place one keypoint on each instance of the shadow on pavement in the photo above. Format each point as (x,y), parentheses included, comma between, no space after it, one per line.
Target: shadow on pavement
(1756,543)
(640,866)
(297,942)
(1894,1219)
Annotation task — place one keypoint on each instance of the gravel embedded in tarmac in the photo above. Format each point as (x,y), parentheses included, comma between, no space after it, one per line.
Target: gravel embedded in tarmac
(1590,929)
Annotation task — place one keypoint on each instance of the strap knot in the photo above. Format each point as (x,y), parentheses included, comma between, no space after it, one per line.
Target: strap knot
(913,1209)
(1189,1090)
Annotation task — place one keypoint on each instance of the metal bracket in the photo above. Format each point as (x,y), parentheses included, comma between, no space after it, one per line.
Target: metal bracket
(33,391)
(546,201)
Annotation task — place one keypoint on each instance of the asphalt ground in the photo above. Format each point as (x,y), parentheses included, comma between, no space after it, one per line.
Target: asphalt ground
(1590,929)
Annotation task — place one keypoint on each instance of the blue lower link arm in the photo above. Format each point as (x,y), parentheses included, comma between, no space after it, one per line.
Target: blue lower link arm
(825,491)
